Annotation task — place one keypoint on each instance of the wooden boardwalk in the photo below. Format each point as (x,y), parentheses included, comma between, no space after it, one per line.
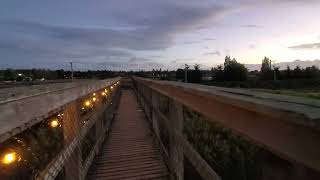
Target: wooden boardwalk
(129,151)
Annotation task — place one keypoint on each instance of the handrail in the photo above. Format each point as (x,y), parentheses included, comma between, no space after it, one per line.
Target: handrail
(20,113)
(288,129)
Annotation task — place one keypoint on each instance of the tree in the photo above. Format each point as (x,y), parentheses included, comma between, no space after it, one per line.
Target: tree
(218,74)
(297,72)
(180,74)
(9,75)
(266,70)
(288,73)
(195,75)
(234,71)
(312,72)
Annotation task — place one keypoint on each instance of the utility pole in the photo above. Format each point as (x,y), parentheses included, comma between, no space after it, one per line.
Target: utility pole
(71,71)
(186,73)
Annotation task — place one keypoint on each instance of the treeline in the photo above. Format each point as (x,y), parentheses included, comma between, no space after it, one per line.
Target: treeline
(47,74)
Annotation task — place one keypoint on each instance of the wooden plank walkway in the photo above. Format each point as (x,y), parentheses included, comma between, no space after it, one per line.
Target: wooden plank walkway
(129,152)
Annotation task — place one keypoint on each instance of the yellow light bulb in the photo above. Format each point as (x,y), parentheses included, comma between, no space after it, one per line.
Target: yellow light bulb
(10,158)
(94,99)
(87,103)
(54,123)
(103,93)
(94,94)
(111,87)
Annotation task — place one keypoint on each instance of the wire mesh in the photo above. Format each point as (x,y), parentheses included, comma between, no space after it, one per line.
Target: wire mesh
(62,145)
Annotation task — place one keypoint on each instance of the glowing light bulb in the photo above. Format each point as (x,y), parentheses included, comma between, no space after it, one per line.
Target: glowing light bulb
(87,103)
(103,93)
(54,123)
(94,99)
(11,157)
(111,87)
(94,94)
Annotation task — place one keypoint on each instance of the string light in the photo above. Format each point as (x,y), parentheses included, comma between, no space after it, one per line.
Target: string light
(54,123)
(94,94)
(94,99)
(111,87)
(87,103)
(10,158)
(103,94)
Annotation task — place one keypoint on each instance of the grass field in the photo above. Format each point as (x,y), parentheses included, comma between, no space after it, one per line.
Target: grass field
(315,94)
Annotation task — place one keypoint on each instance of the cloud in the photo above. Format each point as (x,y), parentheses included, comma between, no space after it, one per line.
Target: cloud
(209,39)
(252,46)
(217,53)
(306,46)
(252,26)
(135,28)
(48,33)
(190,42)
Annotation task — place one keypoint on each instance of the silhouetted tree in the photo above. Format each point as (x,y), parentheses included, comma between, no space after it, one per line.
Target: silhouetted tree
(234,71)
(288,73)
(195,74)
(9,75)
(218,74)
(180,74)
(312,72)
(266,70)
(297,72)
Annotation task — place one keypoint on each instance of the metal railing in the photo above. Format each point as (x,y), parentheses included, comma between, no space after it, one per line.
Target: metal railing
(56,134)
(214,133)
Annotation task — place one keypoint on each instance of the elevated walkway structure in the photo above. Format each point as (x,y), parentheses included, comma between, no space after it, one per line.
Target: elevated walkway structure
(129,151)
(137,128)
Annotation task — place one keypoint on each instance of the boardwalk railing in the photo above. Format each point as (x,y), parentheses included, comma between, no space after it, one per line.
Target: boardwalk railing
(212,133)
(55,134)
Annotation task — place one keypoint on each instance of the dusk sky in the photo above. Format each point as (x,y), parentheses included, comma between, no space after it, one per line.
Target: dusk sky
(146,34)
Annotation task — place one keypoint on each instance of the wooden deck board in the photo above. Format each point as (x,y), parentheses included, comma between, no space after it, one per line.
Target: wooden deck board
(129,152)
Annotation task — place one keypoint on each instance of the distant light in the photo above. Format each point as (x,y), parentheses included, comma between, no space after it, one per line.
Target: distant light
(87,103)
(19,74)
(54,123)
(103,94)
(105,90)
(82,108)
(94,94)
(11,157)
(111,87)
(94,99)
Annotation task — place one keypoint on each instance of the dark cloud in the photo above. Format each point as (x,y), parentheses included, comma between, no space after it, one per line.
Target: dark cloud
(306,46)
(149,27)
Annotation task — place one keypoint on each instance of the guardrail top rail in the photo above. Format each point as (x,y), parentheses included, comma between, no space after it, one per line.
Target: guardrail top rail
(31,104)
(287,126)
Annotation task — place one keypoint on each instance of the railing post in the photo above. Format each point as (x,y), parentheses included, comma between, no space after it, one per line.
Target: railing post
(71,130)
(176,152)
(154,118)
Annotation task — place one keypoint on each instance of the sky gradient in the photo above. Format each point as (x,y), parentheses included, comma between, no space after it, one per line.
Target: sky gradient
(146,34)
